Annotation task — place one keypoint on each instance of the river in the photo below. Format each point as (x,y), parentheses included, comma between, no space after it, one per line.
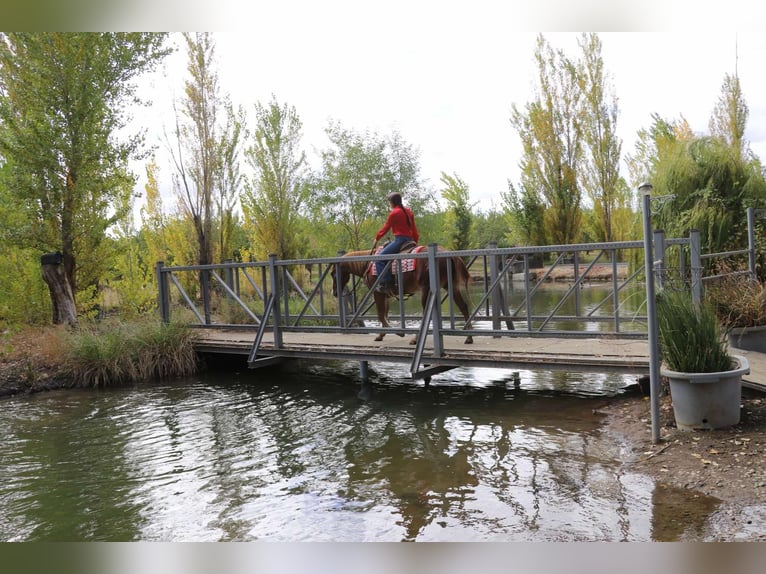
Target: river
(293,453)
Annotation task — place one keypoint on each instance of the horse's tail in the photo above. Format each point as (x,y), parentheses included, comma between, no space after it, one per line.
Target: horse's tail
(460,273)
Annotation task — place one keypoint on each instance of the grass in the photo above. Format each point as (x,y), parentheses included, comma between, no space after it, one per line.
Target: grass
(129,352)
(691,337)
(738,301)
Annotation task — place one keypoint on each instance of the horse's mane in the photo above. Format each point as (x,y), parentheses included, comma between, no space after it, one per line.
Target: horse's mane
(357,267)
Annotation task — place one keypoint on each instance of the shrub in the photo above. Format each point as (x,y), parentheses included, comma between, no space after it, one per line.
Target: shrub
(130,352)
(738,301)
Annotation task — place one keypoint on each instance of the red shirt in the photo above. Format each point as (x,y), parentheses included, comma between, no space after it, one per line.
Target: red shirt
(397,223)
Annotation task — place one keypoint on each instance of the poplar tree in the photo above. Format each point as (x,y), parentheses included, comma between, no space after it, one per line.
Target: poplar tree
(205,150)
(608,191)
(275,196)
(552,139)
(729,117)
(63,106)
(459,218)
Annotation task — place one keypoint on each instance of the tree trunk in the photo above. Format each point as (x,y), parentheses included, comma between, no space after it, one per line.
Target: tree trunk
(64,309)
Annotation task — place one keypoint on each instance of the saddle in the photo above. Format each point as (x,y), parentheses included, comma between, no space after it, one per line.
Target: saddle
(407,264)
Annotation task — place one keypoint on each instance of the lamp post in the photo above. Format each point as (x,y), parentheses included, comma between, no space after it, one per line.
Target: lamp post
(645,189)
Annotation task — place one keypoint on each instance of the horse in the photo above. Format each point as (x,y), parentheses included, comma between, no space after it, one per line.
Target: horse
(413,281)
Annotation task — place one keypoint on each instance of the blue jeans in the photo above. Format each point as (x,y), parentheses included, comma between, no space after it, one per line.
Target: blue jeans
(392,247)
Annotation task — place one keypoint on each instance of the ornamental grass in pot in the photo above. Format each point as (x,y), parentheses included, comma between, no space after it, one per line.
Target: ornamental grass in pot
(705,380)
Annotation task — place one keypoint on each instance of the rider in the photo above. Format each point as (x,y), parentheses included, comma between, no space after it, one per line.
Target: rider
(401,222)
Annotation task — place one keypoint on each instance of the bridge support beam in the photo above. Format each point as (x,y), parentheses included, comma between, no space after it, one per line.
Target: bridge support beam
(365,392)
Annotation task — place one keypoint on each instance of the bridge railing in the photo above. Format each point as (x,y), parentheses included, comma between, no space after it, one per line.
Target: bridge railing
(510,295)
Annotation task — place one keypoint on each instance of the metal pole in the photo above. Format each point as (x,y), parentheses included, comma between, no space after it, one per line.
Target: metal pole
(751,241)
(695,260)
(164,298)
(436,317)
(659,267)
(496,297)
(651,312)
(276,316)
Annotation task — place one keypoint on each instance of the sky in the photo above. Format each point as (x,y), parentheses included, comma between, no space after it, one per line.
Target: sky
(445,76)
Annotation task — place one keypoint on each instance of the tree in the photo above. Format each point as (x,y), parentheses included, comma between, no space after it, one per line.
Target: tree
(459,217)
(730,116)
(358,171)
(709,183)
(551,135)
(601,178)
(63,111)
(204,152)
(229,180)
(274,198)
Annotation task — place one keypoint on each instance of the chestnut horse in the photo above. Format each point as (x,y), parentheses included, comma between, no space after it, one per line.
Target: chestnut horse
(414,281)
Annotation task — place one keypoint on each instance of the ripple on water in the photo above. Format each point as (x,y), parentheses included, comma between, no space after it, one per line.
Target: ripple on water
(293,454)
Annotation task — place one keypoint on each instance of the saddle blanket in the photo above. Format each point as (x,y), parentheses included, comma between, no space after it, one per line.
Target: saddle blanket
(407,264)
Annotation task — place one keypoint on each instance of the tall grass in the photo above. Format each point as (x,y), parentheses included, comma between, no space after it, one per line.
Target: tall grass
(691,338)
(129,352)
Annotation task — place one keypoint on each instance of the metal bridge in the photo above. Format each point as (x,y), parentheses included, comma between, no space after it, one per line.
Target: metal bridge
(278,309)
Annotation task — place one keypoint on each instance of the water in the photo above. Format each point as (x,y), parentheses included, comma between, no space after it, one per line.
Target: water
(293,454)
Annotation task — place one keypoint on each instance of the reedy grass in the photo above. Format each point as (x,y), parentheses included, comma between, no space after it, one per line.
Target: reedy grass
(129,352)
(691,338)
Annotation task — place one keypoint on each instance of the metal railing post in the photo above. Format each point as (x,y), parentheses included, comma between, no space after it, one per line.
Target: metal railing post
(163,295)
(229,275)
(654,347)
(339,291)
(275,296)
(497,300)
(659,267)
(751,241)
(436,316)
(204,280)
(695,260)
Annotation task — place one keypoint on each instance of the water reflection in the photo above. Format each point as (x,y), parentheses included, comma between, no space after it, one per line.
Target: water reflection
(292,454)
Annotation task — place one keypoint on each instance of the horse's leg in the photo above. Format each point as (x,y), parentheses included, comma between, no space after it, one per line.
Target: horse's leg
(457,297)
(381,304)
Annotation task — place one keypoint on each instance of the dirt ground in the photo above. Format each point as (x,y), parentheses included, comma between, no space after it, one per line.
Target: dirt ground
(726,464)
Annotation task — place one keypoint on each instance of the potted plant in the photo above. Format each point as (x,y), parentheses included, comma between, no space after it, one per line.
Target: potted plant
(740,303)
(705,380)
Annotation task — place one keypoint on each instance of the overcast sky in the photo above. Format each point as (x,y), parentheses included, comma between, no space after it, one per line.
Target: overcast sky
(446,80)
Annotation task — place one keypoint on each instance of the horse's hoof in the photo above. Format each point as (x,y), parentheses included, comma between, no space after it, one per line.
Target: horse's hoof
(413,341)
(468,341)
(379,338)
(400,334)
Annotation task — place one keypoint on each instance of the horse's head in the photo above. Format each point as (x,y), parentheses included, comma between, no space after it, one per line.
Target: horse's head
(342,280)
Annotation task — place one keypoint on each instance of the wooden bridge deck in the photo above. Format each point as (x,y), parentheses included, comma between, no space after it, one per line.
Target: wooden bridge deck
(629,356)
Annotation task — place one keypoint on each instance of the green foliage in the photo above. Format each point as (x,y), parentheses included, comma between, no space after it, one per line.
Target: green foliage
(24,296)
(459,216)
(130,352)
(64,103)
(551,135)
(206,152)
(275,197)
(492,225)
(358,171)
(691,339)
(711,189)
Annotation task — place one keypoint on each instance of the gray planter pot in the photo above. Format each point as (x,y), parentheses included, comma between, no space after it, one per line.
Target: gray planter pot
(707,400)
(749,338)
